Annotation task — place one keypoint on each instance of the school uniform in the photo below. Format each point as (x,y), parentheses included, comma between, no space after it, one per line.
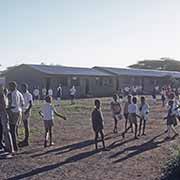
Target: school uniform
(132,112)
(116,110)
(144,110)
(97,120)
(48,115)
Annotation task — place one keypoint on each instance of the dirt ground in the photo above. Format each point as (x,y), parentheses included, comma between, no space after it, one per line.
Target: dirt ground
(73,156)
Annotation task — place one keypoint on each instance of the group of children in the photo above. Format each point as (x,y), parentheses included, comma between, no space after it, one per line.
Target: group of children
(132,112)
(14,103)
(16,106)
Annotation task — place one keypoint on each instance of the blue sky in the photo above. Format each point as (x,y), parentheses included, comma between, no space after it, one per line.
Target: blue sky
(88,32)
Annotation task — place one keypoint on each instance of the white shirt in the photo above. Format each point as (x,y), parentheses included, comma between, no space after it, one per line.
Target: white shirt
(133,108)
(47,111)
(36,92)
(27,97)
(72,91)
(44,91)
(50,92)
(17,101)
(144,111)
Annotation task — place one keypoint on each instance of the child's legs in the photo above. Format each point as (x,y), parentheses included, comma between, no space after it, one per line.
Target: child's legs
(168,130)
(135,124)
(96,138)
(50,134)
(144,126)
(46,134)
(140,125)
(115,123)
(173,129)
(102,137)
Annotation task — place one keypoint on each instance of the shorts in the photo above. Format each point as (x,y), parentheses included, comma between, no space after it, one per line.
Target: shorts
(132,118)
(117,116)
(48,124)
(72,97)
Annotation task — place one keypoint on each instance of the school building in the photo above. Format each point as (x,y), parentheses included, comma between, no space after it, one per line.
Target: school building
(89,82)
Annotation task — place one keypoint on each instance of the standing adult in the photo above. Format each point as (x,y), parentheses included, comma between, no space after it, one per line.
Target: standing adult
(5,131)
(72,94)
(59,94)
(17,102)
(26,113)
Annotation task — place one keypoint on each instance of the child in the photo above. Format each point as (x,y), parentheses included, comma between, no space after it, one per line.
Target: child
(97,123)
(171,118)
(163,97)
(116,112)
(47,114)
(126,111)
(144,110)
(132,116)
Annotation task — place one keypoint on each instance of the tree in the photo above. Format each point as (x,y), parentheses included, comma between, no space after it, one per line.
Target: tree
(166,64)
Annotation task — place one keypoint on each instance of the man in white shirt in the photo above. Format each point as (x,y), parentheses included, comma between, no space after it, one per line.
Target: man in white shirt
(15,106)
(26,113)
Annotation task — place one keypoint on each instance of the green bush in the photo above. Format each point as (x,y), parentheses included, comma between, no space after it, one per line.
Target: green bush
(172,169)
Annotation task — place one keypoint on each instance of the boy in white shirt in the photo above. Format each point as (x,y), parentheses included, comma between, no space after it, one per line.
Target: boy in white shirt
(144,111)
(28,100)
(132,116)
(47,113)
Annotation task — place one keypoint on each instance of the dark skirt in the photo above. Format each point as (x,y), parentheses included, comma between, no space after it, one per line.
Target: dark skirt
(172,121)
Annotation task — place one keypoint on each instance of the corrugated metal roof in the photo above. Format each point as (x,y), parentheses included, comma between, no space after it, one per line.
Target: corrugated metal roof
(138,72)
(64,70)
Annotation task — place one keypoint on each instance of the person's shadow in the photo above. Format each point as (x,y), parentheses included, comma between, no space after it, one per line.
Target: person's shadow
(71,159)
(138,149)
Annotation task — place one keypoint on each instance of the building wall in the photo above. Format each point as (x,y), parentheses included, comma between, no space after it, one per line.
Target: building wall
(86,86)
(22,74)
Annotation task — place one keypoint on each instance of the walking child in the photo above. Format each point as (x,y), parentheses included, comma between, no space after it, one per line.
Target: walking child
(132,116)
(47,113)
(144,111)
(171,118)
(97,123)
(116,112)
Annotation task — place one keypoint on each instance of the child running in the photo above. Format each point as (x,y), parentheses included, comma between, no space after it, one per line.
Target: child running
(144,111)
(116,112)
(171,119)
(132,116)
(97,123)
(47,113)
